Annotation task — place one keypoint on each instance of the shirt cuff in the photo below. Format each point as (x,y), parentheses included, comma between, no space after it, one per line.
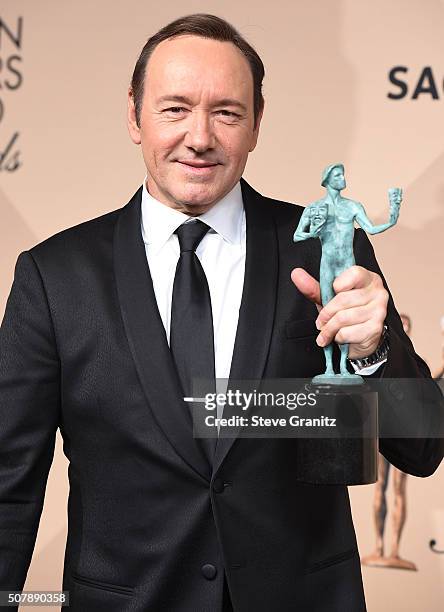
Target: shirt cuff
(371,369)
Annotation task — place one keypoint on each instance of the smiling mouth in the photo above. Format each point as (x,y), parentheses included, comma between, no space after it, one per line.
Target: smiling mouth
(198,164)
(200,168)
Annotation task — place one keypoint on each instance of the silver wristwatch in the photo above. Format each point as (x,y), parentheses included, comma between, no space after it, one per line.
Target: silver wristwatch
(379,355)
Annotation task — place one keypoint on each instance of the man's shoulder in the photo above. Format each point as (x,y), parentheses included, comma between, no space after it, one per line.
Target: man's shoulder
(85,236)
(284,208)
(286,214)
(72,238)
(281,209)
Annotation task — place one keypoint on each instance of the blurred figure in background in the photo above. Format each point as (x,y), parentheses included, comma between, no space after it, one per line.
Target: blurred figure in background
(399,479)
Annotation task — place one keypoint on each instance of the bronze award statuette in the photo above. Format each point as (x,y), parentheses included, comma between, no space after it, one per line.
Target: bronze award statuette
(351,458)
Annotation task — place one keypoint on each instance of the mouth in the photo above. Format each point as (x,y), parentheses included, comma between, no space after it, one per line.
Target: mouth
(198,167)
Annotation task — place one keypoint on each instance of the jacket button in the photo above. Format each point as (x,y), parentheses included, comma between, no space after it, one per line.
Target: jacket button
(209,571)
(218,485)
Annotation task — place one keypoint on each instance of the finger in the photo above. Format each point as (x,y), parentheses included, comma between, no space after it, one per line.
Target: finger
(355,277)
(344,319)
(342,301)
(362,338)
(307,285)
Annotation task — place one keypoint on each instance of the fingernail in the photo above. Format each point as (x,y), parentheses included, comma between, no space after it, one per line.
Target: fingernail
(320,341)
(318,324)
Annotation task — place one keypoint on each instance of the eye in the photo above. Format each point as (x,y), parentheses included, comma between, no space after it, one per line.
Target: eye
(175,109)
(227,113)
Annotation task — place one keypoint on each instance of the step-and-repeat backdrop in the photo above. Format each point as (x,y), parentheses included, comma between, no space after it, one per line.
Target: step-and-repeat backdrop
(356,82)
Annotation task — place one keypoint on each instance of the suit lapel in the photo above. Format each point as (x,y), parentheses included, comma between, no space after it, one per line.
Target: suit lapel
(257,309)
(147,338)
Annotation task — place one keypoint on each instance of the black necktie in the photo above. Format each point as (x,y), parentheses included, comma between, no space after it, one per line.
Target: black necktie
(191,331)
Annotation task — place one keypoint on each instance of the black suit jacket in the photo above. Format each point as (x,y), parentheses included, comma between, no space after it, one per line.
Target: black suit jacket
(151,526)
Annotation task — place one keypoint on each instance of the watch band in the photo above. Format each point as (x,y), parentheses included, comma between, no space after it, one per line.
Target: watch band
(379,354)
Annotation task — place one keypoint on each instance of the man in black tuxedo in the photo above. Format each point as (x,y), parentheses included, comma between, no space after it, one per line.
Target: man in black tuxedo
(109,321)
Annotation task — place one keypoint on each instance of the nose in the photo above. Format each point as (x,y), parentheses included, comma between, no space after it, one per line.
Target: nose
(200,135)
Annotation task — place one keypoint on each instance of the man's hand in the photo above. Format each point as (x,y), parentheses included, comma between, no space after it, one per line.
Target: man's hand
(355,315)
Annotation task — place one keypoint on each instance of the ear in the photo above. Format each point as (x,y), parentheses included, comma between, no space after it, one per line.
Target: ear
(133,128)
(255,134)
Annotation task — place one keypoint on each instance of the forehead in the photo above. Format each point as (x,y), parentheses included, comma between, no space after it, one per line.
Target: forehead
(192,63)
(337,170)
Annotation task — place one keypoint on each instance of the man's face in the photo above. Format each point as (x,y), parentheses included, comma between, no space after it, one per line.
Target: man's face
(196,124)
(336,179)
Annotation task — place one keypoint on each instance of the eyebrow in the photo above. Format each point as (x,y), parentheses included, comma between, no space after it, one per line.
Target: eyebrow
(185,100)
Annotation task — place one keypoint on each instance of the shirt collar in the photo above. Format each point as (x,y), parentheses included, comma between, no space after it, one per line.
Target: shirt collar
(159,221)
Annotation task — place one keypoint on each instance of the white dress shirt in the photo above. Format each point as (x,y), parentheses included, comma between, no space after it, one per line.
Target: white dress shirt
(221,253)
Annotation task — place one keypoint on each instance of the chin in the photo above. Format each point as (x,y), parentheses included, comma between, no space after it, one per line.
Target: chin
(197,196)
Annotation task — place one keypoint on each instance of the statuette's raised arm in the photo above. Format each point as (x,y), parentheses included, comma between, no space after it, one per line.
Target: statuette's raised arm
(395,199)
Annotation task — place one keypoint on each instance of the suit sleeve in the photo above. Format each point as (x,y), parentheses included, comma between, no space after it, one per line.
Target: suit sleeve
(29,416)
(419,456)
